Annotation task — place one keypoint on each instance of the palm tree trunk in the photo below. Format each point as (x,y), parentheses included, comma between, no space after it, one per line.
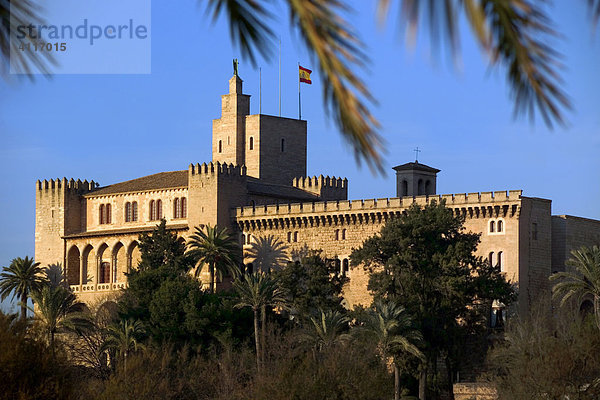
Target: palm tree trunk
(597,310)
(396,381)
(423,382)
(263,336)
(257,340)
(212,278)
(23,306)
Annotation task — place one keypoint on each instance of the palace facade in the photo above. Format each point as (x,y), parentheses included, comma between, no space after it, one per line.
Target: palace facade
(256,184)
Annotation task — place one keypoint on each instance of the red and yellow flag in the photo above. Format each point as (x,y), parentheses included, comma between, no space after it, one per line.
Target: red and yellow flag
(304,74)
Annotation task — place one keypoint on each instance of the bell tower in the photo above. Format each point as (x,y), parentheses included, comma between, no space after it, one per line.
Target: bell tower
(415,179)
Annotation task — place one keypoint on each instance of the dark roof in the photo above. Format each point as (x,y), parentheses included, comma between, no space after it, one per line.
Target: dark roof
(416,166)
(111,232)
(281,191)
(162,180)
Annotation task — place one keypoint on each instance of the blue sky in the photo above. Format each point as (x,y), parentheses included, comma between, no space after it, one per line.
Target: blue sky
(112,128)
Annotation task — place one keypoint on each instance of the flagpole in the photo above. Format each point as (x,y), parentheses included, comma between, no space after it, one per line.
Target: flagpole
(280,77)
(259,91)
(299,98)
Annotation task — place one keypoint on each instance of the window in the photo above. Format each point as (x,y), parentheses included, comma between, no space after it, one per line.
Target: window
(104,214)
(492,226)
(500,264)
(404,188)
(159,209)
(282,145)
(104,272)
(128,215)
(420,187)
(152,215)
(337,234)
(251,143)
(491,258)
(176,208)
(296,236)
(345,268)
(289,237)
(343,234)
(500,226)
(134,211)
(220,146)
(534,231)
(228,141)
(183,207)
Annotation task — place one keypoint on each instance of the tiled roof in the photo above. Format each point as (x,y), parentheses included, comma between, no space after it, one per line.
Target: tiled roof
(162,180)
(416,165)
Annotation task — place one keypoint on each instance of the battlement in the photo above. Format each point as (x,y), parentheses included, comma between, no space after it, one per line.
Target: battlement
(216,168)
(452,200)
(70,185)
(327,188)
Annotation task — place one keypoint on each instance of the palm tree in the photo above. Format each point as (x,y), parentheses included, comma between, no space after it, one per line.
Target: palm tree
(123,338)
(391,326)
(57,310)
(258,291)
(21,278)
(325,330)
(216,248)
(55,276)
(584,282)
(512,34)
(267,252)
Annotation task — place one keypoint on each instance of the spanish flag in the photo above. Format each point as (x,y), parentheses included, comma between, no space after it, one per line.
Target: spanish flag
(304,74)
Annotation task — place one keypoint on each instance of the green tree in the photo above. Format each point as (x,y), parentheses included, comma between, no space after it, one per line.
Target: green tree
(425,261)
(57,310)
(22,277)
(310,284)
(583,282)
(325,330)
(162,247)
(390,325)
(258,291)
(214,247)
(124,338)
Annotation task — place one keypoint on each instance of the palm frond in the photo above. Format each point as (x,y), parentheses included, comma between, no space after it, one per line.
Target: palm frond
(20,53)
(267,252)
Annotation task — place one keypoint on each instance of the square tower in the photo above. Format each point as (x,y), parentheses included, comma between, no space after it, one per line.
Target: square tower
(414,179)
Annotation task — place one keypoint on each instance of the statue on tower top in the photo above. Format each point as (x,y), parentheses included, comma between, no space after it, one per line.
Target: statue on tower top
(235,67)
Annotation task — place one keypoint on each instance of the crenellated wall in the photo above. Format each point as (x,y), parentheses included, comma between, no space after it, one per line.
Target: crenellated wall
(325,187)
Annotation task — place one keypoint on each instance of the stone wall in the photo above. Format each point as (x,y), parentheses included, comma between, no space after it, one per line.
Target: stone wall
(570,233)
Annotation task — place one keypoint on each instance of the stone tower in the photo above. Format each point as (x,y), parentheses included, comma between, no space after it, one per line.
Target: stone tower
(414,179)
(273,149)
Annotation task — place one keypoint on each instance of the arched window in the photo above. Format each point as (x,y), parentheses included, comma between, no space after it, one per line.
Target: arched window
(491,258)
(289,237)
(338,265)
(404,188)
(282,145)
(251,143)
(343,234)
(152,210)
(296,236)
(104,273)
(345,267)
(101,214)
(159,209)
(128,215)
(134,211)
(220,146)
(428,187)
(176,208)
(500,226)
(183,207)
(108,216)
(500,263)
(421,188)
(337,234)
(492,226)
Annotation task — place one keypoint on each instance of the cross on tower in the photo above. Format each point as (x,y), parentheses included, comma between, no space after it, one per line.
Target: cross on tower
(417,151)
